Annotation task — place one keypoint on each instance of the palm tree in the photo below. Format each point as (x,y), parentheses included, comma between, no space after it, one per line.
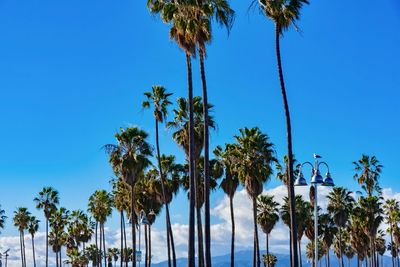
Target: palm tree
(92,253)
(179,15)
(224,15)
(310,251)
(340,204)
(254,156)
(358,239)
(349,252)
(129,158)
(21,221)
(112,255)
(329,231)
(181,124)
(303,215)
(391,209)
(121,199)
(370,210)
(229,185)
(33,227)
(268,216)
(100,206)
(270,260)
(285,14)
(47,200)
(368,170)
(3,218)
(57,238)
(380,246)
(159,98)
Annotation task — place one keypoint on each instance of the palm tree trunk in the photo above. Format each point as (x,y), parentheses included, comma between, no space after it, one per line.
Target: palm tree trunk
(126,247)
(60,257)
(20,245)
(391,246)
(96,242)
(104,246)
(256,253)
(300,258)
(291,196)
(122,236)
(149,245)
(33,251)
(100,258)
(233,232)
(192,179)
(57,262)
(170,237)
(267,247)
(23,246)
(146,245)
(340,248)
(207,231)
(133,225)
(47,242)
(200,256)
(329,259)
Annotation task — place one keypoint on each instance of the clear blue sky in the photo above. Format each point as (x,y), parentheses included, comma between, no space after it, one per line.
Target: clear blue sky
(73,72)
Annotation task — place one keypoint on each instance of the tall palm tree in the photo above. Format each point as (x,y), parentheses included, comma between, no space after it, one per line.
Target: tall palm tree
(268,216)
(181,125)
(129,158)
(340,204)
(358,239)
(3,218)
(392,210)
(224,15)
(33,227)
(229,185)
(179,15)
(47,200)
(285,13)
(21,221)
(159,99)
(254,156)
(368,170)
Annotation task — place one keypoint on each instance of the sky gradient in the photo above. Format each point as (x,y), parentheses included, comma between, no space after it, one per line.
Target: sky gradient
(73,72)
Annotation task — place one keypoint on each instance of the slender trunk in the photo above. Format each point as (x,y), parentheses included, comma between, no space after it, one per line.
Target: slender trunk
(20,245)
(57,262)
(104,246)
(267,247)
(149,245)
(192,180)
(207,231)
(33,251)
(300,258)
(23,246)
(200,256)
(340,248)
(233,232)
(256,251)
(170,238)
(47,242)
(358,261)
(100,259)
(329,259)
(122,237)
(291,196)
(133,224)
(348,262)
(60,257)
(391,246)
(146,246)
(125,245)
(96,242)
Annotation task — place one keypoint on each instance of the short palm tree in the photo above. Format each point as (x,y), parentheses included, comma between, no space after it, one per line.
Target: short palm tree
(33,227)
(284,14)
(92,253)
(270,260)
(310,251)
(112,255)
(368,170)
(229,185)
(159,99)
(3,218)
(254,157)
(47,200)
(359,241)
(129,158)
(328,233)
(340,205)
(21,221)
(267,216)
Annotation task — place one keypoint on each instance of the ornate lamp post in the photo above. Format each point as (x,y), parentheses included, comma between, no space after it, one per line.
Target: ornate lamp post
(316,180)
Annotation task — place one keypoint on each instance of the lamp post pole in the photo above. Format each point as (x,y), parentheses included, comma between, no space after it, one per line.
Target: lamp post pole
(315,181)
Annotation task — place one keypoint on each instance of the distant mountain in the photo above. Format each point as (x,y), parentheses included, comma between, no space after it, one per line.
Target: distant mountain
(245,259)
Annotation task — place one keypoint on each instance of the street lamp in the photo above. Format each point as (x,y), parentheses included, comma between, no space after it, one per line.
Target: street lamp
(142,221)
(316,180)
